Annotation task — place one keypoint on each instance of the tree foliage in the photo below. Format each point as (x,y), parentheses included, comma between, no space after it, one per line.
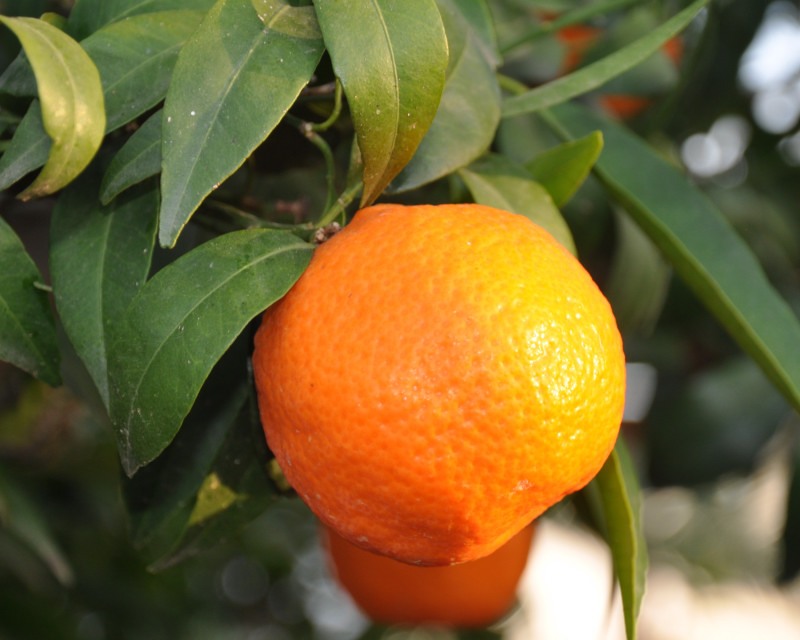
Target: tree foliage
(188,152)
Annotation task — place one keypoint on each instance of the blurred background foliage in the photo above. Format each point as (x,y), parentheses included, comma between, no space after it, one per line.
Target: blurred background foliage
(711,432)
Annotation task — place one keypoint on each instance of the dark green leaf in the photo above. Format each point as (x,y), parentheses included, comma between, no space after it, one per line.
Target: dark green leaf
(638,281)
(522,138)
(180,324)
(7,119)
(562,169)
(655,75)
(233,82)
(497,181)
(392,67)
(135,58)
(18,79)
(99,259)
(620,496)
(598,73)
(27,330)
(138,159)
(211,479)
(699,242)
(235,490)
(470,102)
(23,518)
(713,424)
(89,16)
(481,25)
(71,100)
(30,8)
(28,150)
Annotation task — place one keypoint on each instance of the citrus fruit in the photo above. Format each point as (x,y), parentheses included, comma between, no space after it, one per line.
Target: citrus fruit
(578,39)
(468,595)
(437,378)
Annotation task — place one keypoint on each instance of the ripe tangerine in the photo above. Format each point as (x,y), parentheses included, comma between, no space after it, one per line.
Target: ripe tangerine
(469,595)
(437,378)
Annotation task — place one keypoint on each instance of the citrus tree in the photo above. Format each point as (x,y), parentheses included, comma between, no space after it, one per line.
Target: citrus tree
(190,155)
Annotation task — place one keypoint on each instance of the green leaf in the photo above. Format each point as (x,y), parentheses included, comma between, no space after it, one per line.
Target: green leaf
(481,25)
(598,73)
(138,159)
(99,259)
(180,324)
(17,79)
(28,150)
(699,242)
(562,169)
(27,329)
(71,101)
(89,16)
(24,519)
(497,181)
(234,80)
(135,58)
(392,68)
(211,479)
(638,280)
(655,75)
(730,406)
(236,490)
(620,496)
(470,102)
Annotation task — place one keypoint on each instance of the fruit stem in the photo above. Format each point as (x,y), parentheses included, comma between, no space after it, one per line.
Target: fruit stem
(310,132)
(338,207)
(512,85)
(337,110)
(245,220)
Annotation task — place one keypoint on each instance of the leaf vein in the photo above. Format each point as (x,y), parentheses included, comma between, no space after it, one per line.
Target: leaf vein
(126,430)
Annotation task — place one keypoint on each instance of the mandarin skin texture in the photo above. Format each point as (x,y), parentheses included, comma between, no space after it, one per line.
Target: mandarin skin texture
(437,378)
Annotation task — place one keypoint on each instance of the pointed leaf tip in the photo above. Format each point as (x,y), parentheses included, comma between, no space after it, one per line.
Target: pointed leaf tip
(392,69)
(71,98)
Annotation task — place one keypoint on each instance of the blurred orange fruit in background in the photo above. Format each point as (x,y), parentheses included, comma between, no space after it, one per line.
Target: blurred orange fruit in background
(470,595)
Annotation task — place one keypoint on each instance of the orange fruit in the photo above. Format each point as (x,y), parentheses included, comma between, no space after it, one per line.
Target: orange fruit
(469,595)
(623,106)
(437,378)
(673,48)
(576,39)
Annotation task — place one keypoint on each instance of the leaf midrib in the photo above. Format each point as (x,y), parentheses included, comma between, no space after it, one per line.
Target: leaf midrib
(202,140)
(150,60)
(21,328)
(58,138)
(395,86)
(711,282)
(182,322)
